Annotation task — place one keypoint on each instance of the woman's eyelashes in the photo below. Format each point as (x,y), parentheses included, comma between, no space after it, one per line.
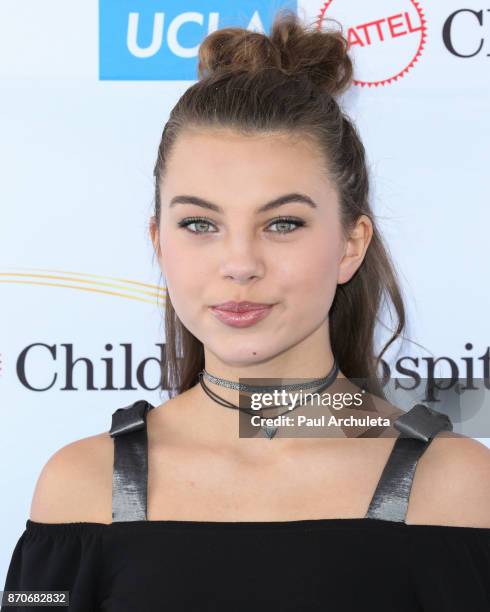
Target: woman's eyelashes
(281,222)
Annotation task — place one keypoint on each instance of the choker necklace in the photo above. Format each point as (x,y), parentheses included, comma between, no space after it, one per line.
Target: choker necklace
(230,384)
(320,383)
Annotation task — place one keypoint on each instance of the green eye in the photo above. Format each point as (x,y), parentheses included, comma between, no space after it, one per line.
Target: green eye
(195,221)
(287,221)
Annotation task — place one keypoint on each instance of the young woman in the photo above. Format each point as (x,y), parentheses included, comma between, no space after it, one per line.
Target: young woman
(274,269)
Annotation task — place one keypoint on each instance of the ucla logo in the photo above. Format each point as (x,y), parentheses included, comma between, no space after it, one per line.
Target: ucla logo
(159,39)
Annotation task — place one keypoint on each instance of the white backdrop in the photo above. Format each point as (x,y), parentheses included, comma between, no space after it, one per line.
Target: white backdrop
(80,126)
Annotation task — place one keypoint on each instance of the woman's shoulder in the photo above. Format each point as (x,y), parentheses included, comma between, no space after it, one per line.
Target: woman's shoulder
(451,485)
(75,484)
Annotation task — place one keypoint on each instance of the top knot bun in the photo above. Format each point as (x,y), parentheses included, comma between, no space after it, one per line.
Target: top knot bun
(291,47)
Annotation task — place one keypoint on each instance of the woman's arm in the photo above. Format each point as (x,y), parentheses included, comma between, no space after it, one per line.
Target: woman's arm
(452,483)
(76,483)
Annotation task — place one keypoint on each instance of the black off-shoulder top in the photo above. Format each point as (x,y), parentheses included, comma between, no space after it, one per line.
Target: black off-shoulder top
(378,562)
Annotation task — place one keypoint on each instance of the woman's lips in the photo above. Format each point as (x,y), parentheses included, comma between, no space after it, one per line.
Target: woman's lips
(241,319)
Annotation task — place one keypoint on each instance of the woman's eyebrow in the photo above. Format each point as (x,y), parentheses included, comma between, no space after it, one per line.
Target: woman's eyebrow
(281,200)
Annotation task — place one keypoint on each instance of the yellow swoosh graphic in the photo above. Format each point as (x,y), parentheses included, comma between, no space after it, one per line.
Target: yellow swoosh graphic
(129,289)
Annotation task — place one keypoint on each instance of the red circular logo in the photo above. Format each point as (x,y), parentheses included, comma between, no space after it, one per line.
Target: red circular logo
(385,38)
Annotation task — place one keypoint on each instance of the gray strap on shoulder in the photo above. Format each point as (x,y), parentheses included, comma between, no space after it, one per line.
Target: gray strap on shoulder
(417,429)
(130,472)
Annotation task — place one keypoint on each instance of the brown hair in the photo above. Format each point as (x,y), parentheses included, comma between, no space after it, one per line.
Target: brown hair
(287,82)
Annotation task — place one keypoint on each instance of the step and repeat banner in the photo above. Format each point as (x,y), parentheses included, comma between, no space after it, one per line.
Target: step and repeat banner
(86,89)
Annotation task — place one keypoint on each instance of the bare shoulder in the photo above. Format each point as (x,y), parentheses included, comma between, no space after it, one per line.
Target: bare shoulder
(75,484)
(452,483)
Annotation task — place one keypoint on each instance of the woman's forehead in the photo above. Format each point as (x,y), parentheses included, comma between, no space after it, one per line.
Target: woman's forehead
(231,161)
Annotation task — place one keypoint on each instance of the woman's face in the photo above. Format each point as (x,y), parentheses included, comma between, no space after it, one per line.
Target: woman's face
(240,253)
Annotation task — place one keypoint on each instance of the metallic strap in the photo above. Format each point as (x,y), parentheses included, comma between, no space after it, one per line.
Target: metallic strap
(417,429)
(130,472)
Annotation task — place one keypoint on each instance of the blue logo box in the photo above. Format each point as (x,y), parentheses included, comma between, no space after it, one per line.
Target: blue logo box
(154,40)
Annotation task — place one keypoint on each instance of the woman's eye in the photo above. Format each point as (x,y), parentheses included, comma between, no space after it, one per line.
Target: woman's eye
(198,222)
(284,222)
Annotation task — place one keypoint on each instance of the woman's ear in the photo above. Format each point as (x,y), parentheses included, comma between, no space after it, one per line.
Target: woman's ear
(155,239)
(153,231)
(355,249)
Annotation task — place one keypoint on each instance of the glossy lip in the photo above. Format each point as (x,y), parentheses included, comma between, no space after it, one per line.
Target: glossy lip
(241,319)
(233,306)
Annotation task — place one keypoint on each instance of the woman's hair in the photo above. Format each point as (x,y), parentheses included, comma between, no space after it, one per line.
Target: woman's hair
(286,83)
